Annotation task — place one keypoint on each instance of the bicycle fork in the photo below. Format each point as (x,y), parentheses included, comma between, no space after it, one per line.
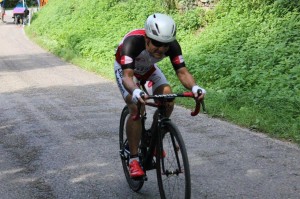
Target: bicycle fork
(161,133)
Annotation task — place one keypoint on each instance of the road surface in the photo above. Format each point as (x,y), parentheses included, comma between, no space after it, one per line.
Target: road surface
(59,137)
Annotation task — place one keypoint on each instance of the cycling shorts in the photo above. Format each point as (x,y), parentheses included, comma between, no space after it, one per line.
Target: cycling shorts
(153,78)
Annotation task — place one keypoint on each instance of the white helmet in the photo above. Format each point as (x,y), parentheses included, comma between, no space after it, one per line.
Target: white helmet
(160,27)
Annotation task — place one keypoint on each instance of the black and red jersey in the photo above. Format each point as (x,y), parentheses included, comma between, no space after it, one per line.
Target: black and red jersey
(132,53)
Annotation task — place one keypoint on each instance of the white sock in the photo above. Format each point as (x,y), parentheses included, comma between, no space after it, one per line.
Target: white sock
(136,158)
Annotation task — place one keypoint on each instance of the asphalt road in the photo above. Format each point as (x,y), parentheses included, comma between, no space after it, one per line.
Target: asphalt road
(59,137)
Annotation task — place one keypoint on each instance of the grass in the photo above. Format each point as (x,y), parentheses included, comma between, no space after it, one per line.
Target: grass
(246,55)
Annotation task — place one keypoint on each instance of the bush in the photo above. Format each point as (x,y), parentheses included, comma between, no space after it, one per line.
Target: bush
(247,56)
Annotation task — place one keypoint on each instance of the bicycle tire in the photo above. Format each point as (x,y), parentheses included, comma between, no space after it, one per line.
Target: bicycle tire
(174,181)
(135,185)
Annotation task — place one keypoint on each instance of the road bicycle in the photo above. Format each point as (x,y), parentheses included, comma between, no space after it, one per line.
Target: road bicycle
(161,148)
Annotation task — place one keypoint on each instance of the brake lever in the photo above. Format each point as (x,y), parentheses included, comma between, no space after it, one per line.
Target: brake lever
(198,104)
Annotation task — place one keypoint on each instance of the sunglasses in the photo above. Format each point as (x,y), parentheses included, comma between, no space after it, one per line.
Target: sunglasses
(159,44)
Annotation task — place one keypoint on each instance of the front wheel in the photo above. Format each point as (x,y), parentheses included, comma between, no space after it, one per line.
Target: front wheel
(173,171)
(135,185)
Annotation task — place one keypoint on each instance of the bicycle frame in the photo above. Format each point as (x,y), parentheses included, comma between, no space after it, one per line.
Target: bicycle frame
(161,147)
(147,154)
(156,135)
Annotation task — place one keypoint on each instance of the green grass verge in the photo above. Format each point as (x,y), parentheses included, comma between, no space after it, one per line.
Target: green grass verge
(247,56)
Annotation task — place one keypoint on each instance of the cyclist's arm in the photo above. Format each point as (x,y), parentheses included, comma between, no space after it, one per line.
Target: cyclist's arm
(136,93)
(132,46)
(127,80)
(187,80)
(178,63)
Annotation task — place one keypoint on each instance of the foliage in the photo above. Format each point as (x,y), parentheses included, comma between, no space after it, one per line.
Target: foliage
(91,29)
(191,20)
(247,56)
(250,56)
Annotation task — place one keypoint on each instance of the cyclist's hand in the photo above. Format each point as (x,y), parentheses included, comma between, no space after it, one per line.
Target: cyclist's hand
(137,96)
(199,92)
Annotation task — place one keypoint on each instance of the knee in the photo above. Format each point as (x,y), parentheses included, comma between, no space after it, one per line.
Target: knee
(169,107)
(133,109)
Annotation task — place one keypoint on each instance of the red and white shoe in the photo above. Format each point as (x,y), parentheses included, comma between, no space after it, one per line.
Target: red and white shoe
(135,169)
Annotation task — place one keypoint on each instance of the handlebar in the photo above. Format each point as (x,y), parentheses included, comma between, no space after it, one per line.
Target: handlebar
(160,99)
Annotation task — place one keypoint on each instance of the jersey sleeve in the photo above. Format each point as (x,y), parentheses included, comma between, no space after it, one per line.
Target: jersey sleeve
(132,46)
(175,55)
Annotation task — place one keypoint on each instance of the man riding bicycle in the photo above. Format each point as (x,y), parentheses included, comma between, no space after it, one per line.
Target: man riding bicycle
(136,59)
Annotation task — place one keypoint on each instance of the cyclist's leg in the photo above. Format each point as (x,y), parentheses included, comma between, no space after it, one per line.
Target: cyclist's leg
(135,185)
(133,128)
(158,84)
(166,89)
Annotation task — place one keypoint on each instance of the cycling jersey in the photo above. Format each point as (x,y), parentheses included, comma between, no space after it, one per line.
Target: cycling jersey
(132,53)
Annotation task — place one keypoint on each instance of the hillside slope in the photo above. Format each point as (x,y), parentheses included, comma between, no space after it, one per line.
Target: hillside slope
(247,56)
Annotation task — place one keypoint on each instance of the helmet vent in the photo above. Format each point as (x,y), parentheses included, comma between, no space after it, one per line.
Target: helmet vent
(174,31)
(157,27)
(154,32)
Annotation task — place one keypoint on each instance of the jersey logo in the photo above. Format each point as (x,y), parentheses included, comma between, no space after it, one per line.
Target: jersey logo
(150,84)
(178,59)
(126,60)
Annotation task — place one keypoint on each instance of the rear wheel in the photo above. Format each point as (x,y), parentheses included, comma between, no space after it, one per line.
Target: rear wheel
(173,172)
(135,185)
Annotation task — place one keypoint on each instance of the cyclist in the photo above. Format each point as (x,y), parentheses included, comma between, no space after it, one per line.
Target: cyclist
(2,10)
(136,58)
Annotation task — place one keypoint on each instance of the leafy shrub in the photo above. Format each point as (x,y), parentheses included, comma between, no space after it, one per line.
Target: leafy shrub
(247,56)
